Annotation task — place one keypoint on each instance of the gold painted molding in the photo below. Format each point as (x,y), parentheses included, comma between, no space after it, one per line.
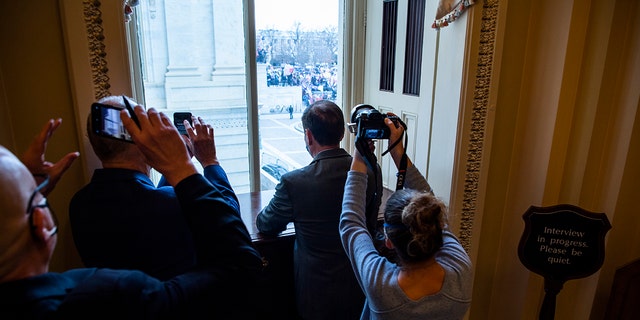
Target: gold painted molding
(484,68)
(97,53)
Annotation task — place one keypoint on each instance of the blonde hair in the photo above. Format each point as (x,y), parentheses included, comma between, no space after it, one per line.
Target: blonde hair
(414,222)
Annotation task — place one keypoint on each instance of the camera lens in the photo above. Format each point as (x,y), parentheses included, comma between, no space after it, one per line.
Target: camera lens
(358,110)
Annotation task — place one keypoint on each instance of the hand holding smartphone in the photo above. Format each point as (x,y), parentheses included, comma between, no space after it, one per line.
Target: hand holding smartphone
(178,121)
(105,121)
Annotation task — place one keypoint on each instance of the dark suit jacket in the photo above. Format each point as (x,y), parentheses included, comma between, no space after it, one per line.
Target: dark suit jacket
(217,288)
(311,197)
(120,220)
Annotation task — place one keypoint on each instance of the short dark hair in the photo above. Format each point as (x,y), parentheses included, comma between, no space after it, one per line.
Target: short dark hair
(325,121)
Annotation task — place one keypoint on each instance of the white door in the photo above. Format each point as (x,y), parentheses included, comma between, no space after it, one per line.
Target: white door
(430,109)
(413,109)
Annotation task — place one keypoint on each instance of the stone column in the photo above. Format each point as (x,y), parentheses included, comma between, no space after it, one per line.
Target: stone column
(189,40)
(229,66)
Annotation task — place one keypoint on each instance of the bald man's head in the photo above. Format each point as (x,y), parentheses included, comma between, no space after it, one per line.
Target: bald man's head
(27,239)
(16,186)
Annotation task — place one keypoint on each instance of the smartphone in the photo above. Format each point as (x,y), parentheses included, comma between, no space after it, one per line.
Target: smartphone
(178,121)
(105,121)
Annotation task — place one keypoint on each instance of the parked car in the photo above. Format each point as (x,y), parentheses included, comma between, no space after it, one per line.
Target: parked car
(274,170)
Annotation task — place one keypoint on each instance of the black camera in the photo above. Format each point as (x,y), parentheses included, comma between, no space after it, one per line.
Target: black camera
(368,123)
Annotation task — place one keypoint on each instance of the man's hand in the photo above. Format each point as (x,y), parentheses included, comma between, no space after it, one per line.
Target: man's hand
(202,142)
(159,141)
(35,161)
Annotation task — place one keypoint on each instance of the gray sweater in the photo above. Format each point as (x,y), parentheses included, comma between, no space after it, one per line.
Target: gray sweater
(379,278)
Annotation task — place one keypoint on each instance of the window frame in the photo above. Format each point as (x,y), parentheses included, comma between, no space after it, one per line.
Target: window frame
(472,146)
(100,24)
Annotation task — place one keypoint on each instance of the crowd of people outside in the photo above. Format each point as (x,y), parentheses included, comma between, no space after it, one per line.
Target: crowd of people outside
(319,82)
(300,58)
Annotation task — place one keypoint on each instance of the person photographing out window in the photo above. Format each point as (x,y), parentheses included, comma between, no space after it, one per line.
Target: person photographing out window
(432,276)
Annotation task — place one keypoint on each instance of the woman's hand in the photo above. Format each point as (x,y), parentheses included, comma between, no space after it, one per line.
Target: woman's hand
(358,163)
(396,134)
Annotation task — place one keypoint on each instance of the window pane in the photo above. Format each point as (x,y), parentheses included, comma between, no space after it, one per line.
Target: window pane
(192,59)
(388,45)
(413,51)
(297,63)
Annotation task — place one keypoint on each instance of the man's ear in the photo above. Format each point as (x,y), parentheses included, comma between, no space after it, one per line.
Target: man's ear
(43,226)
(309,135)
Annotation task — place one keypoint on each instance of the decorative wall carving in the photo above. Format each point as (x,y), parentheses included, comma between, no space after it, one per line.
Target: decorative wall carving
(478,119)
(97,53)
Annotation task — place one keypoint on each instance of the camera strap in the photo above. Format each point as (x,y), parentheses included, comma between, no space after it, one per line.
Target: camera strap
(402,171)
(402,166)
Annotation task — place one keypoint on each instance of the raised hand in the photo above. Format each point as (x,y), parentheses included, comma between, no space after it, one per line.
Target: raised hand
(34,158)
(396,134)
(202,142)
(358,163)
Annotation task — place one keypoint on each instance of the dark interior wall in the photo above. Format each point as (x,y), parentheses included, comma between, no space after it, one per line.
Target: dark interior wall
(35,87)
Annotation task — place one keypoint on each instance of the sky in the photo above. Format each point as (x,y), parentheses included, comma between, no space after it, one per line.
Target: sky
(282,14)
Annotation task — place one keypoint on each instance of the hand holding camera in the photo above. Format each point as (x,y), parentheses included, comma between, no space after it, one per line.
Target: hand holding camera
(397,149)
(368,123)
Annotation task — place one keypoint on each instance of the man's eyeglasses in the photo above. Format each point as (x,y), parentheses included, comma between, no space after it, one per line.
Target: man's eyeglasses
(43,204)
